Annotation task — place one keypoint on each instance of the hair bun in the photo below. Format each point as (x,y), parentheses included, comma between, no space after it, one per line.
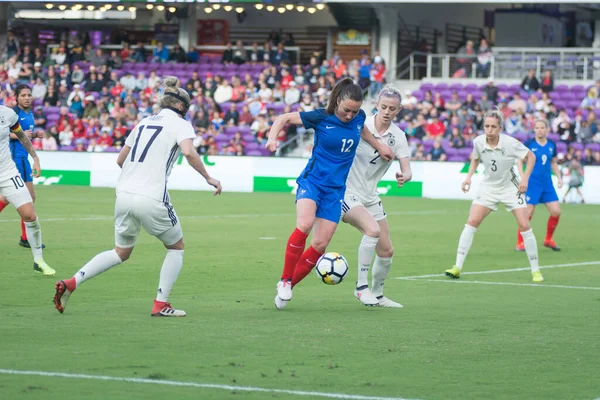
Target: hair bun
(171,81)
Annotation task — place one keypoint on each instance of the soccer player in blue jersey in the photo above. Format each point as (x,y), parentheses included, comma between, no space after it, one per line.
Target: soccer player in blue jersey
(541,188)
(18,152)
(322,185)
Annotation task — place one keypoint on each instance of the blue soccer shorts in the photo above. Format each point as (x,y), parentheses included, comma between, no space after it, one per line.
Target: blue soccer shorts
(24,168)
(543,194)
(329,200)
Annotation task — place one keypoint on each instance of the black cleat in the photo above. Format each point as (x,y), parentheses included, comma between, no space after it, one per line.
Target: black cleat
(25,243)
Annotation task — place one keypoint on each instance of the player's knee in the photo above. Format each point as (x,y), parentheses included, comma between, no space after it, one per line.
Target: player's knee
(524,226)
(555,213)
(123,253)
(473,222)
(304,226)
(27,213)
(373,231)
(386,252)
(176,246)
(320,245)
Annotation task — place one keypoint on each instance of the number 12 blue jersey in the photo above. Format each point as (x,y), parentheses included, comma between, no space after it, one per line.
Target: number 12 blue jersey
(334,147)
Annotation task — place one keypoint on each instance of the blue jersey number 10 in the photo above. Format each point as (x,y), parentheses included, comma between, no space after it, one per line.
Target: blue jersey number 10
(157,130)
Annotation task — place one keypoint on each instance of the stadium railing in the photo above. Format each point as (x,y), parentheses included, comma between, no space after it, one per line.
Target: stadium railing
(204,48)
(506,63)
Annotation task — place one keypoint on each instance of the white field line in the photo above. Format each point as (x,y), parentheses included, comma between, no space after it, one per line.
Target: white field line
(498,271)
(229,388)
(110,217)
(508,284)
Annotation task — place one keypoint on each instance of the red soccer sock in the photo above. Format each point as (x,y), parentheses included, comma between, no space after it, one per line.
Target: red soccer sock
(307,262)
(293,251)
(23,231)
(519,237)
(552,223)
(71,284)
(2,206)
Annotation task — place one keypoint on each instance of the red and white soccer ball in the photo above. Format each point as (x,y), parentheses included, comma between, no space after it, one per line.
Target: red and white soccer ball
(332,268)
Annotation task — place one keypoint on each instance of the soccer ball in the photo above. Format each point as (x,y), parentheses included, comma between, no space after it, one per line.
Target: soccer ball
(332,268)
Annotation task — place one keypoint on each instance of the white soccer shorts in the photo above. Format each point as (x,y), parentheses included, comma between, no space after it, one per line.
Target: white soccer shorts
(15,191)
(509,197)
(134,211)
(374,208)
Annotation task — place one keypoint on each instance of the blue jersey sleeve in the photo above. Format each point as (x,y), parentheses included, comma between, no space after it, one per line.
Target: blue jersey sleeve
(553,148)
(310,119)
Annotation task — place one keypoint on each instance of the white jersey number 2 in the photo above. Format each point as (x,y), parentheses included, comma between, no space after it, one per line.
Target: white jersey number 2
(157,130)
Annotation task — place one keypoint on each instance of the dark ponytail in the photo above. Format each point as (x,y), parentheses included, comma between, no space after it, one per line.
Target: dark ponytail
(343,89)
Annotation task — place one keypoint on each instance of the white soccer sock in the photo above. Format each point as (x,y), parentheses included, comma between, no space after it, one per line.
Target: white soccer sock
(34,235)
(381,269)
(168,274)
(531,249)
(464,244)
(97,265)
(365,255)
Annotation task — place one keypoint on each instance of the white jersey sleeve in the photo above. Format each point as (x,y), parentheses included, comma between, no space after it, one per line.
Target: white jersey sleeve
(8,119)
(155,147)
(520,149)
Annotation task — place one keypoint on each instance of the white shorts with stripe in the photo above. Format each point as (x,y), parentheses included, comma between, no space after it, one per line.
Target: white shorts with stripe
(375,208)
(15,191)
(509,196)
(133,211)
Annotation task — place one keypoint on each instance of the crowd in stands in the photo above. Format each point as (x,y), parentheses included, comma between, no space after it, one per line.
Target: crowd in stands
(442,120)
(86,99)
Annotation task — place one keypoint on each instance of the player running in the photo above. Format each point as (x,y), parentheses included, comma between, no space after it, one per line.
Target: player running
(12,187)
(500,184)
(362,206)
(142,198)
(541,189)
(322,184)
(19,153)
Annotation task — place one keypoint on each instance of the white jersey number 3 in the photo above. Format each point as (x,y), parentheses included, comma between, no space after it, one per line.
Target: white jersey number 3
(347,145)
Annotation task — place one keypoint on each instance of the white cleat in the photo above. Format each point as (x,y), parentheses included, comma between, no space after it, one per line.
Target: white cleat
(168,311)
(280,304)
(284,290)
(385,302)
(364,295)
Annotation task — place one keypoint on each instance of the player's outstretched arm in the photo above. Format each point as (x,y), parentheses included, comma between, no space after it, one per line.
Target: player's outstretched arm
(405,174)
(192,157)
(383,149)
(26,142)
(123,155)
(466,185)
(528,169)
(280,122)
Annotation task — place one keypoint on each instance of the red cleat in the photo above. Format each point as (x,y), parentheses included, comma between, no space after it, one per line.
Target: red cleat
(164,309)
(63,292)
(551,244)
(520,247)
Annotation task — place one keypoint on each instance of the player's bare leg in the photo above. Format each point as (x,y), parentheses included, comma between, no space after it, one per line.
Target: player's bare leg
(168,276)
(100,263)
(476,217)
(362,220)
(306,210)
(381,266)
(580,195)
(520,244)
(34,231)
(23,242)
(522,216)
(554,210)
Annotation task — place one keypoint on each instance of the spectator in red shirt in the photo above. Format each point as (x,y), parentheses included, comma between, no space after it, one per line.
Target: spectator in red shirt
(435,127)
(64,118)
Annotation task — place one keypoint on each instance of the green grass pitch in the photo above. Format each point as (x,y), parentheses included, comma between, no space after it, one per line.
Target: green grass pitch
(502,340)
